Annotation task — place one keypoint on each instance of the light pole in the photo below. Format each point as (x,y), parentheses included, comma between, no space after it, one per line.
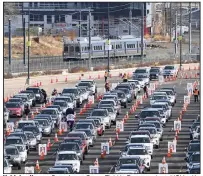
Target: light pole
(108,65)
(9,44)
(90,64)
(142,33)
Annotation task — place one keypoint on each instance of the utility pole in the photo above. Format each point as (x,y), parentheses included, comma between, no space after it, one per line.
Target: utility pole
(24,41)
(108,40)
(180,35)
(190,39)
(22,13)
(90,63)
(28,51)
(142,32)
(9,44)
(80,24)
(130,24)
(176,32)
(170,22)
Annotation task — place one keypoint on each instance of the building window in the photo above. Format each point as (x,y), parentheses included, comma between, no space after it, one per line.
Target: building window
(30,4)
(36,17)
(49,19)
(147,11)
(35,4)
(60,19)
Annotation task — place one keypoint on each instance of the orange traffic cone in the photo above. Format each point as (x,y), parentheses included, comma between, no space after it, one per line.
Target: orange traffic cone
(62,130)
(37,166)
(37,112)
(171,149)
(79,78)
(42,155)
(48,145)
(81,111)
(59,131)
(51,81)
(181,117)
(116,136)
(56,138)
(110,75)
(118,130)
(8,132)
(176,136)
(102,155)
(169,154)
(98,76)
(40,83)
(90,77)
(96,163)
(66,79)
(164,160)
(110,142)
(32,116)
(57,80)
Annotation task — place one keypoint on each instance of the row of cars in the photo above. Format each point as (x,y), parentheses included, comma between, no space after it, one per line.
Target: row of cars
(28,133)
(137,154)
(193,150)
(86,131)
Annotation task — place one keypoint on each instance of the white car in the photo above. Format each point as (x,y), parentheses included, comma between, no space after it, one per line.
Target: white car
(170,70)
(155,97)
(7,167)
(115,104)
(171,95)
(93,87)
(137,83)
(140,151)
(84,93)
(6,114)
(32,141)
(23,152)
(68,158)
(164,106)
(142,140)
(155,136)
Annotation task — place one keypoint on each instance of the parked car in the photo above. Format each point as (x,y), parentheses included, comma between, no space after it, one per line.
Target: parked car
(127,93)
(121,97)
(32,96)
(115,104)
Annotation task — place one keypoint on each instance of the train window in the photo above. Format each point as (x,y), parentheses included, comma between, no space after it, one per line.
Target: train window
(77,49)
(118,46)
(65,48)
(130,45)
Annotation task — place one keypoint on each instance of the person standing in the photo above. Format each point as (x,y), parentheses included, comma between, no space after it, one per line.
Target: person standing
(105,76)
(45,95)
(107,86)
(125,78)
(145,90)
(196,94)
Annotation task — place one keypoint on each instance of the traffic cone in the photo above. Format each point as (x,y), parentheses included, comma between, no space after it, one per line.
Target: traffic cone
(51,81)
(164,160)
(48,145)
(116,136)
(81,112)
(169,154)
(59,131)
(7,132)
(32,115)
(189,68)
(186,77)
(57,80)
(177,131)
(96,163)
(110,143)
(41,107)
(199,67)
(79,78)
(56,138)
(40,83)
(127,115)
(37,166)
(37,84)
(176,136)
(180,117)
(42,156)
(110,75)
(98,76)
(118,130)
(102,155)
(66,79)
(37,112)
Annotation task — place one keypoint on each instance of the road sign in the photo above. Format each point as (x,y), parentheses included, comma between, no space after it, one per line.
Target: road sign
(105,147)
(10,126)
(42,148)
(163,168)
(119,124)
(63,125)
(29,170)
(93,169)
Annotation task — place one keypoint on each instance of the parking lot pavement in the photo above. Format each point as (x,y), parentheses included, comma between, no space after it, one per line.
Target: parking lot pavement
(176,162)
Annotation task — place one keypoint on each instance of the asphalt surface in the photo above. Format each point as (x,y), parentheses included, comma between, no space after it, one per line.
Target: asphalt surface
(176,163)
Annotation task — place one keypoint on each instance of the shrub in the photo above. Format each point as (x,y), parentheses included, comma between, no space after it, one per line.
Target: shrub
(8,76)
(98,68)
(78,70)
(52,72)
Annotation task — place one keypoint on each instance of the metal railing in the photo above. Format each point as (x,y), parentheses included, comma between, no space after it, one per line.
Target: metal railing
(57,63)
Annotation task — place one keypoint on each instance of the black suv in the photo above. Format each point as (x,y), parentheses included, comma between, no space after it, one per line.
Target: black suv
(154,73)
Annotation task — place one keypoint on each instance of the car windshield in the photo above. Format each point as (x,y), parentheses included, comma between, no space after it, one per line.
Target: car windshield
(126,91)
(159,106)
(195,158)
(11,151)
(43,122)
(99,113)
(169,68)
(30,135)
(159,97)
(139,140)
(136,152)
(20,135)
(121,95)
(157,125)
(72,91)
(55,106)
(62,157)
(12,105)
(168,92)
(64,99)
(107,102)
(57,172)
(21,125)
(86,84)
(83,126)
(128,161)
(161,111)
(145,114)
(35,130)
(78,141)
(140,71)
(108,97)
(76,135)
(34,90)
(154,70)
(47,111)
(15,100)
(133,166)
(62,104)
(123,87)
(194,147)
(22,97)
(151,130)
(142,76)
(13,141)
(69,147)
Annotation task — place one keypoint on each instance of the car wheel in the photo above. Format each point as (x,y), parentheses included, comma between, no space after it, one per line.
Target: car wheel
(19,166)
(151,156)
(157,146)
(114,122)
(148,169)
(125,106)
(161,139)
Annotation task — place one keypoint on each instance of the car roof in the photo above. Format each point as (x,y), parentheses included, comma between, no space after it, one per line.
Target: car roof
(10,146)
(67,152)
(25,121)
(14,137)
(149,109)
(139,135)
(129,157)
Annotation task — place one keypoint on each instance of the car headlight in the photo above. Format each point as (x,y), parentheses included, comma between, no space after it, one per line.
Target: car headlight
(37,95)
(46,129)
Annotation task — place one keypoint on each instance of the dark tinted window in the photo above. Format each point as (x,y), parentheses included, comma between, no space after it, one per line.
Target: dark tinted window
(99,113)
(12,105)
(137,152)
(169,67)
(144,114)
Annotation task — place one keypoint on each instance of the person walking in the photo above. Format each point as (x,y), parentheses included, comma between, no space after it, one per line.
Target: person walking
(125,78)
(105,76)
(107,86)
(145,90)
(196,94)
(27,110)
(45,95)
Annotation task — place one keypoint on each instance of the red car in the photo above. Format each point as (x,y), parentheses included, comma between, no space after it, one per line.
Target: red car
(15,109)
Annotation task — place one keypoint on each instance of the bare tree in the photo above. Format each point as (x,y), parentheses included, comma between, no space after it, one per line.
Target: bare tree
(10,11)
